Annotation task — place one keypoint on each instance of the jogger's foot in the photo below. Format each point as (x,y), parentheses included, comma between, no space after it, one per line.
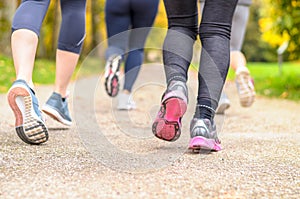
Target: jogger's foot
(224,104)
(167,125)
(29,123)
(125,102)
(112,71)
(204,135)
(57,108)
(245,87)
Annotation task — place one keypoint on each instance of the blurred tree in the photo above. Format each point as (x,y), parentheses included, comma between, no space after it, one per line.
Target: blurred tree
(96,30)
(280,22)
(7,9)
(253,42)
(95,25)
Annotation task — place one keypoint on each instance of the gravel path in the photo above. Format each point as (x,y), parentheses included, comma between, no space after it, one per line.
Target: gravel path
(113,154)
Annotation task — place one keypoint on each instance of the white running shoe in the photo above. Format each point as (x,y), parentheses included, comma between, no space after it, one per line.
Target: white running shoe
(245,86)
(224,104)
(125,102)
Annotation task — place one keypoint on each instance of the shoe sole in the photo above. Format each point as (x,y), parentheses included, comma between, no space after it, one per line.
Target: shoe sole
(112,81)
(128,108)
(246,91)
(55,115)
(30,129)
(201,143)
(168,126)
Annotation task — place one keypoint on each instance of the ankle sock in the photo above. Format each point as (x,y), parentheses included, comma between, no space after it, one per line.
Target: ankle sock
(204,112)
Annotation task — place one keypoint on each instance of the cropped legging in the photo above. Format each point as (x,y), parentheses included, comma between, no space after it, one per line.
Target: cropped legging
(122,16)
(214,32)
(31,13)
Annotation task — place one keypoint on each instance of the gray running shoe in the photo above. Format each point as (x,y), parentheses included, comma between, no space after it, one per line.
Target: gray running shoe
(224,104)
(56,108)
(30,125)
(204,135)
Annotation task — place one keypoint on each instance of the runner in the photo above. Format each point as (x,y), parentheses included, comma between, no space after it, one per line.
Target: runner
(214,32)
(30,125)
(122,16)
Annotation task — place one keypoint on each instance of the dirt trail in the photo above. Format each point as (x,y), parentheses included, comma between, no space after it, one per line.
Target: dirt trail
(113,154)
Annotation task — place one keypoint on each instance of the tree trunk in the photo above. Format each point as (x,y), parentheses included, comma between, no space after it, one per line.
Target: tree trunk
(7,10)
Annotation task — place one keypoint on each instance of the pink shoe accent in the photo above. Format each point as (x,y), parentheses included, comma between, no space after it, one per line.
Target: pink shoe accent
(167,124)
(12,95)
(115,86)
(200,142)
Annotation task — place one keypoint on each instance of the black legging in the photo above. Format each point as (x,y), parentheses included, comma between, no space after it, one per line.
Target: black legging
(214,33)
(30,15)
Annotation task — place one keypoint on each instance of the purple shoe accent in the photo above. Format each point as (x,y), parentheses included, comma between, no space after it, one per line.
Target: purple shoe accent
(200,142)
(167,125)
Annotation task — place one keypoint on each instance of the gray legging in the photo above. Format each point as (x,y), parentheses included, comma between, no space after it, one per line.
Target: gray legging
(239,23)
(31,13)
(214,33)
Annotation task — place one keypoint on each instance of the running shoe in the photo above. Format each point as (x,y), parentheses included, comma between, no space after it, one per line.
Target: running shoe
(167,125)
(245,87)
(112,71)
(204,135)
(30,125)
(57,108)
(125,102)
(224,104)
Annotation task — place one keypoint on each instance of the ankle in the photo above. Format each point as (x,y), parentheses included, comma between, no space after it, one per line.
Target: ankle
(29,82)
(204,112)
(62,93)
(127,92)
(242,69)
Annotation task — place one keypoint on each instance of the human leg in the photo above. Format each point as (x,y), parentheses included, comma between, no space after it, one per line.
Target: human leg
(71,37)
(142,17)
(25,32)
(215,36)
(117,18)
(26,26)
(237,59)
(177,54)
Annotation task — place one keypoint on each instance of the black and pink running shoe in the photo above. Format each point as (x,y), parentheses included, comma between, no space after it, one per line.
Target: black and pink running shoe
(167,125)
(112,71)
(204,136)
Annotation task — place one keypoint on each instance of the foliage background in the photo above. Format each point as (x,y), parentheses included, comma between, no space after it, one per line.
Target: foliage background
(271,22)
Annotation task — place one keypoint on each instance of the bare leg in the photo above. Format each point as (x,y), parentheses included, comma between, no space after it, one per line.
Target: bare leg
(243,79)
(29,124)
(237,59)
(24,44)
(65,66)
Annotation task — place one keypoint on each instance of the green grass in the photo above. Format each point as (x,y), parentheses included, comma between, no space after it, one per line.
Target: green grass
(7,73)
(270,82)
(44,71)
